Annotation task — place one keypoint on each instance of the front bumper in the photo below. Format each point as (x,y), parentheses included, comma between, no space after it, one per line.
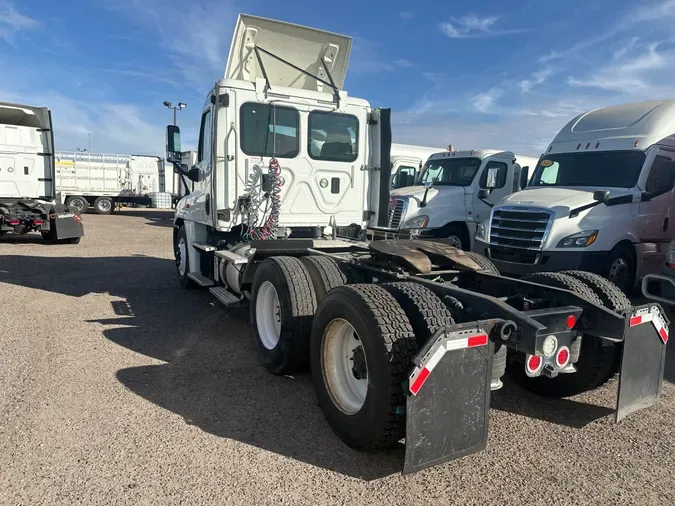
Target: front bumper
(543,261)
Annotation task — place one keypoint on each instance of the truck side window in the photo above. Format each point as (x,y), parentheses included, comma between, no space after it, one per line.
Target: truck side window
(494,175)
(405,176)
(204,151)
(660,175)
(333,136)
(269,130)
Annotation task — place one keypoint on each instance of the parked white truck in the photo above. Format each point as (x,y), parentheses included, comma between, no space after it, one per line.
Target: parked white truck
(600,199)
(405,339)
(455,192)
(27,174)
(103,180)
(406,162)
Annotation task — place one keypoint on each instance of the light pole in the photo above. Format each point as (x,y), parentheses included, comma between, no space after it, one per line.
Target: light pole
(179,107)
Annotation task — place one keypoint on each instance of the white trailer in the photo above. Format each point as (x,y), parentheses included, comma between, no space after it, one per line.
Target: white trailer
(455,193)
(105,180)
(405,339)
(600,199)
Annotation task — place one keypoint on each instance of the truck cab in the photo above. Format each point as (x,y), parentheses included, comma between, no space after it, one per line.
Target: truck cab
(600,199)
(406,163)
(455,191)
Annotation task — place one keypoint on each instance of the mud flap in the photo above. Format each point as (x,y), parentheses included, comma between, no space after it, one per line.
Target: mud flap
(66,225)
(448,402)
(643,360)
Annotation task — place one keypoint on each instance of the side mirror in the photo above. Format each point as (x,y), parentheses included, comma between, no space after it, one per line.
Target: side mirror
(193,174)
(483,193)
(601,195)
(524,176)
(173,148)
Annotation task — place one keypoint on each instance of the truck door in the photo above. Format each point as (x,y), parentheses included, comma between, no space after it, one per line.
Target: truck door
(201,207)
(656,229)
(403,173)
(493,177)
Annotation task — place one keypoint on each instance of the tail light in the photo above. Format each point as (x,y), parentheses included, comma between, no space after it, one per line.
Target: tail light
(38,222)
(533,365)
(562,358)
(14,222)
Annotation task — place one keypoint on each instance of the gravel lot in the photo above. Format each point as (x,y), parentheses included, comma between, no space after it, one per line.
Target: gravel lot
(118,387)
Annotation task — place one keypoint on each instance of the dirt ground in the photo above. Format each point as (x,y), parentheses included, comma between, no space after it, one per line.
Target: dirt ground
(119,387)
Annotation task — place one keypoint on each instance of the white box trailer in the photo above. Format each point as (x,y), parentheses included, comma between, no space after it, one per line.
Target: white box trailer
(104,180)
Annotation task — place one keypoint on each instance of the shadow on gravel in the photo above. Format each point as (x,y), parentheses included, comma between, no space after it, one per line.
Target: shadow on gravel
(155,217)
(567,412)
(211,376)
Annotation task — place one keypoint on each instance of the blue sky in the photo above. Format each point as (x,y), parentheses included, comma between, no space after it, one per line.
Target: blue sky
(502,74)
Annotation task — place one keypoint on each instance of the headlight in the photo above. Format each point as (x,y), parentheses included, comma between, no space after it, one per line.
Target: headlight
(417,222)
(579,240)
(670,256)
(480,231)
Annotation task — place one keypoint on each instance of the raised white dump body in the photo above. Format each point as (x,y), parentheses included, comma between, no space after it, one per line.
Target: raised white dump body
(560,221)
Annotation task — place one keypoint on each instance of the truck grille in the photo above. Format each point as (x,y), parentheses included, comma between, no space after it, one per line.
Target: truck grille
(397,209)
(518,229)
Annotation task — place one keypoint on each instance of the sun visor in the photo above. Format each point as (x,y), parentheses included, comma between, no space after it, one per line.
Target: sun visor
(314,51)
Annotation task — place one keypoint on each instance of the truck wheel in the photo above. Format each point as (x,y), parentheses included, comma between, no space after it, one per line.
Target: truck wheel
(283,302)
(325,274)
(183,259)
(456,235)
(424,309)
(103,205)
(595,360)
(362,347)
(485,263)
(621,268)
(611,295)
(77,205)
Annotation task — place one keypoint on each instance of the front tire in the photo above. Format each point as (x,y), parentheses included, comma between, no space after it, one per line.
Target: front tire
(183,259)
(456,236)
(621,268)
(361,330)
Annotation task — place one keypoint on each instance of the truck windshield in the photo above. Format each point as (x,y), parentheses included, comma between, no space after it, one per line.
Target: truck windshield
(449,171)
(617,169)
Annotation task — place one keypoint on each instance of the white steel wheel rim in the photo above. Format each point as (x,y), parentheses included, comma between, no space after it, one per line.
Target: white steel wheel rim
(268,315)
(182,257)
(338,346)
(104,205)
(455,241)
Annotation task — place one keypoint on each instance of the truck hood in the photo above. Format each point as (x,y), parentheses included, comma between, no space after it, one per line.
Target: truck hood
(417,192)
(312,50)
(560,199)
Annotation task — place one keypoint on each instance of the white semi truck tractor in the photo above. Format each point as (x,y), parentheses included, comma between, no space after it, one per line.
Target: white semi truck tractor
(28,194)
(404,339)
(600,199)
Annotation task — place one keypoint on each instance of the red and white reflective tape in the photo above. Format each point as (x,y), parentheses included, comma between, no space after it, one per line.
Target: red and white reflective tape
(652,315)
(422,372)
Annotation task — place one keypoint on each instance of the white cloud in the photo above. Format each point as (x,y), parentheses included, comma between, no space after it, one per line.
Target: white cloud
(471,26)
(365,58)
(485,102)
(12,21)
(550,56)
(406,15)
(403,63)
(619,53)
(632,76)
(538,78)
